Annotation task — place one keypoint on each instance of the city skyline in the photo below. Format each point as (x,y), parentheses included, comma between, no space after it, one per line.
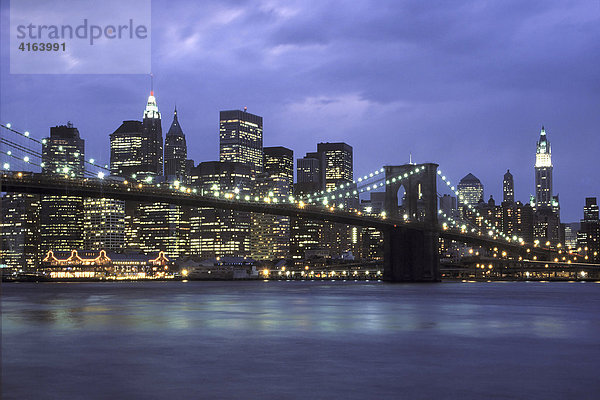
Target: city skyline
(152,102)
(441,112)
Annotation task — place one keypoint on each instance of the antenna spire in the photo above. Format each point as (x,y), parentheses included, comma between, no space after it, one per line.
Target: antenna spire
(151,84)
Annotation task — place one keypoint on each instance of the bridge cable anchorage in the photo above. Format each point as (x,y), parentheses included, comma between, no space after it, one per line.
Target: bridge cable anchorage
(27,135)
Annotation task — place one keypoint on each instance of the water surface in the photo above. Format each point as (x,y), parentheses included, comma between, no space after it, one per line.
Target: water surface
(300,340)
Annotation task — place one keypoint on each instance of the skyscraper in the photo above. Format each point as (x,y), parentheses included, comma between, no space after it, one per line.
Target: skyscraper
(306,234)
(63,153)
(330,166)
(543,172)
(61,217)
(163,227)
(217,232)
(308,174)
(588,237)
(336,164)
(241,139)
(278,164)
(127,158)
(175,151)
(470,191)
(270,234)
(152,143)
(104,224)
(508,188)
(19,230)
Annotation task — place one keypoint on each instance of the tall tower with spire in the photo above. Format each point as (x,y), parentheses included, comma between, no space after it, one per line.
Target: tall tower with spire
(175,150)
(152,140)
(543,172)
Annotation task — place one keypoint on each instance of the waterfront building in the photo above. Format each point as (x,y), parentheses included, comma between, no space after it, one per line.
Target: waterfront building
(241,139)
(103,265)
(175,152)
(61,217)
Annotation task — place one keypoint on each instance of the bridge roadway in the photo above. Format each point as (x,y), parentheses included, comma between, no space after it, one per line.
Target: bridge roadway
(104,188)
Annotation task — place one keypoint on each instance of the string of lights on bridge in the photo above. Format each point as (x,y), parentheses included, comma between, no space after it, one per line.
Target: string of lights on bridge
(493,230)
(318,195)
(33,153)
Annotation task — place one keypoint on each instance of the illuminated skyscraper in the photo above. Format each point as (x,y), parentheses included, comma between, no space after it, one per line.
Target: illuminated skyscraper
(330,166)
(152,144)
(241,139)
(19,230)
(126,150)
(543,172)
(306,234)
(508,188)
(61,217)
(588,237)
(104,224)
(175,151)
(63,153)
(270,234)
(163,227)
(470,191)
(217,232)
(336,164)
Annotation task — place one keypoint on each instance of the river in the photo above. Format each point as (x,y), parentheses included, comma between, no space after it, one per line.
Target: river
(300,340)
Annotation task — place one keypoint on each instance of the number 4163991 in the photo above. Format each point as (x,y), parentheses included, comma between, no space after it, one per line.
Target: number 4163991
(42,46)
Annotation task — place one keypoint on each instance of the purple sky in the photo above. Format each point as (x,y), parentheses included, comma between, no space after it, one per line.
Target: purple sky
(464,84)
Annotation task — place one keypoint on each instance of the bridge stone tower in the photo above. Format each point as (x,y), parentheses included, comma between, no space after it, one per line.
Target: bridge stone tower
(411,254)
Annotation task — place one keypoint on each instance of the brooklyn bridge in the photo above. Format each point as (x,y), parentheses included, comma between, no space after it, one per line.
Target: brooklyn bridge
(411,241)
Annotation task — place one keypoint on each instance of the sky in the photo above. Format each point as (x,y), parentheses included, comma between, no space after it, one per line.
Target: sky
(464,84)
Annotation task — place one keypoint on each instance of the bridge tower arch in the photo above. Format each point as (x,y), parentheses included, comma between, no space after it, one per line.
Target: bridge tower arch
(410,254)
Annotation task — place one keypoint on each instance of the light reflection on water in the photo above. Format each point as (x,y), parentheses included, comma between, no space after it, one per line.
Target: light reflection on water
(241,332)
